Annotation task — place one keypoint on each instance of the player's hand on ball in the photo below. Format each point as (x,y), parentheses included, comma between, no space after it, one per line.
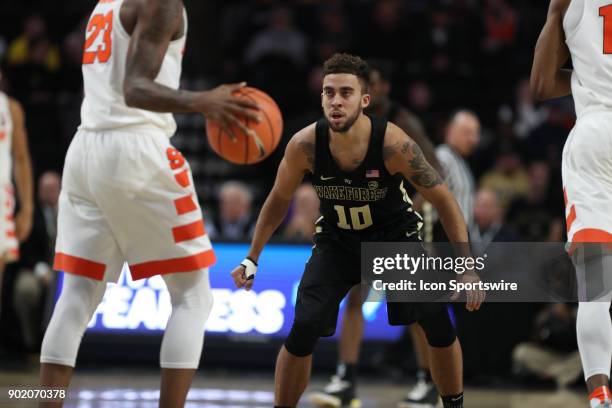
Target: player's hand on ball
(475,297)
(244,274)
(221,105)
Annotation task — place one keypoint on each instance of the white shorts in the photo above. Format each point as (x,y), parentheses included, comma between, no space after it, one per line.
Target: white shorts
(128,197)
(587,179)
(9,246)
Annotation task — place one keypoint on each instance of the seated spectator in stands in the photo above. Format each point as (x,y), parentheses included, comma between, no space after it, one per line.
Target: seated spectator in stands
(279,38)
(500,23)
(301,226)
(508,179)
(553,353)
(481,362)
(489,225)
(34,31)
(529,116)
(33,287)
(235,219)
(536,216)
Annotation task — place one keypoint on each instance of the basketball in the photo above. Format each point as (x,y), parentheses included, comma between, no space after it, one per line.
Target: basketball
(246,149)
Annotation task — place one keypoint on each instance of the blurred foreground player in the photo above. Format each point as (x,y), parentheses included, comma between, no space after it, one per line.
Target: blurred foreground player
(341,390)
(359,168)
(14,158)
(127,194)
(583,29)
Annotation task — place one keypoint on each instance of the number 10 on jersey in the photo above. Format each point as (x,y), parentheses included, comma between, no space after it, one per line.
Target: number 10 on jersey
(361,217)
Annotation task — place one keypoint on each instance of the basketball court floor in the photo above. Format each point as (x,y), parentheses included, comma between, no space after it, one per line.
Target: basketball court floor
(121,388)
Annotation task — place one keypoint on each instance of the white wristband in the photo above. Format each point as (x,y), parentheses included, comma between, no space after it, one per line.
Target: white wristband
(250,268)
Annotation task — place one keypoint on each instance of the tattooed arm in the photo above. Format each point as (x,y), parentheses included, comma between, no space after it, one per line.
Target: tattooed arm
(403,155)
(413,126)
(298,160)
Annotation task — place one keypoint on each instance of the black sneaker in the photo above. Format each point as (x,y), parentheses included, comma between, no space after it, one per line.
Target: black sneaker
(423,395)
(338,393)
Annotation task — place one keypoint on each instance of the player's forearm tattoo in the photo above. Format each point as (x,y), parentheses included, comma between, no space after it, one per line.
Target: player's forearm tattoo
(422,173)
(309,150)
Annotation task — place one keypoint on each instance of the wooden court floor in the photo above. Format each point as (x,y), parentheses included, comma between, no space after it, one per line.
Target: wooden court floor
(119,388)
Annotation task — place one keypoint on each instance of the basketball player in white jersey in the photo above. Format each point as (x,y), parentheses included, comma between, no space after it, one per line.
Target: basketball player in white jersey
(128,195)
(582,29)
(14,158)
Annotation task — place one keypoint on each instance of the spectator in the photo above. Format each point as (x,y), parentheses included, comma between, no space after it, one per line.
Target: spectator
(333,33)
(34,31)
(235,219)
(500,22)
(536,216)
(489,225)
(553,353)
(528,115)
(301,226)
(33,287)
(508,179)
(280,38)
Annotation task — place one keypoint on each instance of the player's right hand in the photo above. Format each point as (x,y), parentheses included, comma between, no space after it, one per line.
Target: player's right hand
(244,274)
(475,297)
(222,106)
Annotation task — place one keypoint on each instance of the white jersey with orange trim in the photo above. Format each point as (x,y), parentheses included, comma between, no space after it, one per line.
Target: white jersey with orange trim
(104,60)
(127,193)
(587,155)
(6,139)
(588,34)
(8,242)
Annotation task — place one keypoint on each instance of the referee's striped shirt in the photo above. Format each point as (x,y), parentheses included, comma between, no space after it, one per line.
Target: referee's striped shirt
(460,180)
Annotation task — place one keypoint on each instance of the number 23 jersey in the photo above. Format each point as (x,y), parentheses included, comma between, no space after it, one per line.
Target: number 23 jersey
(367,202)
(104,61)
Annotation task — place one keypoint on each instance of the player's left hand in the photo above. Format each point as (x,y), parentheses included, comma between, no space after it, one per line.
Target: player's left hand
(244,274)
(23,225)
(475,297)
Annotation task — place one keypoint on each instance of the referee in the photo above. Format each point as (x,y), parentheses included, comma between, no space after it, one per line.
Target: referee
(462,138)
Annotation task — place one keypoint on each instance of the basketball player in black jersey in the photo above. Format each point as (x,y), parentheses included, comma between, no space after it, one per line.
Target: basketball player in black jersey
(359,167)
(341,390)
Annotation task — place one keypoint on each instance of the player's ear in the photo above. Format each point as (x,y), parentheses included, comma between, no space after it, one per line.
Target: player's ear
(365,100)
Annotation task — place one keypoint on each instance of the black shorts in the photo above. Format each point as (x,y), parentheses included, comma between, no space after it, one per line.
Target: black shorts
(334,268)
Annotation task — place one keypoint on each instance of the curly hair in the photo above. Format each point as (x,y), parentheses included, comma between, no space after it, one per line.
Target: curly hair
(348,64)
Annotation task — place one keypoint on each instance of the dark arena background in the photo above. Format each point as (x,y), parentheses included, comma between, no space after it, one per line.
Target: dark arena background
(439,56)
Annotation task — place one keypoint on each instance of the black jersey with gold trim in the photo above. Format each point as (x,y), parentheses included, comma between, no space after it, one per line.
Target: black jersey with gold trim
(367,199)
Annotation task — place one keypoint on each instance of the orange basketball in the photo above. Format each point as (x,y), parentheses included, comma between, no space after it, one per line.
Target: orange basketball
(247,149)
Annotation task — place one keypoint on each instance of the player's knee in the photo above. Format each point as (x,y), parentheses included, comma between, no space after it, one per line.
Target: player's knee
(592,321)
(191,292)
(302,339)
(439,329)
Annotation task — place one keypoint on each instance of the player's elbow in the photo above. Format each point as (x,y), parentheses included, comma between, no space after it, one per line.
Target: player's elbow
(541,88)
(130,94)
(133,91)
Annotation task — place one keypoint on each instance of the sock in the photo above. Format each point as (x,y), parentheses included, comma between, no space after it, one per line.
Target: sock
(424,375)
(347,371)
(453,401)
(601,394)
